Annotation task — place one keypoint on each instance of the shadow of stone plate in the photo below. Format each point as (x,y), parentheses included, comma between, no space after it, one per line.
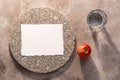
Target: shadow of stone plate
(2,69)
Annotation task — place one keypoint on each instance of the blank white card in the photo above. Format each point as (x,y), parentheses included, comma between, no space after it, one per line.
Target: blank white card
(42,39)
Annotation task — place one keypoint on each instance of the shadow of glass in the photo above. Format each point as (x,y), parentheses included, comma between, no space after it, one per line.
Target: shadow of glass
(44,76)
(89,69)
(107,51)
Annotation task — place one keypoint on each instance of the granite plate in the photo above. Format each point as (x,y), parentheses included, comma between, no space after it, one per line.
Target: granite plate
(41,64)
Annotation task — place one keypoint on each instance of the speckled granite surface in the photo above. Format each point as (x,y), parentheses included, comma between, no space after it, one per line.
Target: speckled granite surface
(42,64)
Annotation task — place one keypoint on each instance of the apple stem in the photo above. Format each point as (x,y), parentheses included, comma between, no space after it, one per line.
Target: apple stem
(86,51)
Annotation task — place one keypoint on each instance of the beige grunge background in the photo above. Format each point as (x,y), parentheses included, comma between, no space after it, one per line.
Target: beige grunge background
(104,62)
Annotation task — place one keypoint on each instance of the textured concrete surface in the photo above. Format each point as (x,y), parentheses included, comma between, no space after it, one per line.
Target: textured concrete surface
(103,64)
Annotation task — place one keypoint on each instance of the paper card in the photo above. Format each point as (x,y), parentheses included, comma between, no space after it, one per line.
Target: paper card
(42,39)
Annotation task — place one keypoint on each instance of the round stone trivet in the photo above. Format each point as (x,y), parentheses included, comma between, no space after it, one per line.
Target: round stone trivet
(41,64)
